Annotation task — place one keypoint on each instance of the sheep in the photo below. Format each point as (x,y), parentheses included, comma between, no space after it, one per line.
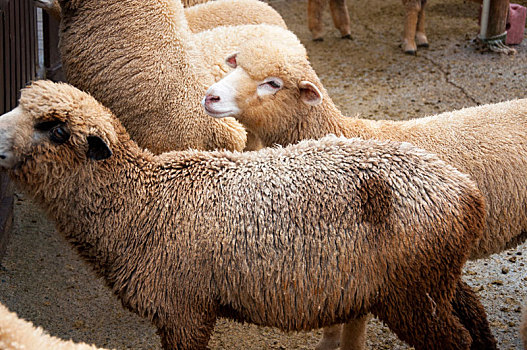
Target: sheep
(18,334)
(202,15)
(139,58)
(275,94)
(414,21)
(277,237)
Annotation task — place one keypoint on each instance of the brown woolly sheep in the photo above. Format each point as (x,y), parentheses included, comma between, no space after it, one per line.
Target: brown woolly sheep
(414,21)
(17,334)
(275,94)
(139,58)
(283,237)
(203,15)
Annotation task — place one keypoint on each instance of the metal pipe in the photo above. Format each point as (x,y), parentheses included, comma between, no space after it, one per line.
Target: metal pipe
(484,20)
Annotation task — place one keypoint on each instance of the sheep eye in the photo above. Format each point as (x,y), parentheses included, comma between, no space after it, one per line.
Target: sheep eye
(59,134)
(274,84)
(47,125)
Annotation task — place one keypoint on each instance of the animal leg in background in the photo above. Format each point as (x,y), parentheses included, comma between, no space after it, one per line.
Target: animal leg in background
(354,334)
(412,9)
(330,338)
(315,8)
(350,336)
(341,18)
(420,34)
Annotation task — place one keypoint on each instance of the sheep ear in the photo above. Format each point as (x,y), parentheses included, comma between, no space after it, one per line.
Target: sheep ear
(98,149)
(231,60)
(309,93)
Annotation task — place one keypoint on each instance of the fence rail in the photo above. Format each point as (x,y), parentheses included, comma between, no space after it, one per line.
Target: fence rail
(18,66)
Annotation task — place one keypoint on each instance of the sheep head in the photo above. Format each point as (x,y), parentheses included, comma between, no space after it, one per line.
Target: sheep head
(271,85)
(58,125)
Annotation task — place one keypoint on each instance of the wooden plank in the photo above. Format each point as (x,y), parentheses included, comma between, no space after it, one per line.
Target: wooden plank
(498,12)
(3,84)
(33,41)
(22,43)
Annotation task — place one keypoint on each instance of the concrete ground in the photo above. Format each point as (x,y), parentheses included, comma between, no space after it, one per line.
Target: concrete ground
(43,280)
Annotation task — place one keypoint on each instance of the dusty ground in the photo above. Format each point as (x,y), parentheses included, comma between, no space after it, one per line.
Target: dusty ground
(43,280)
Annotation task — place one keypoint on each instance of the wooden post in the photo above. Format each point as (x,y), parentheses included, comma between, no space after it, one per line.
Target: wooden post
(18,62)
(498,11)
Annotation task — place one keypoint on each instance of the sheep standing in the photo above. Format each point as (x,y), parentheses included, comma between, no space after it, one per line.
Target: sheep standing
(283,237)
(17,334)
(276,94)
(139,58)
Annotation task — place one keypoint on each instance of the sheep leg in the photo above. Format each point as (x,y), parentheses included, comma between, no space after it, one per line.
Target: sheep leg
(188,330)
(350,336)
(412,9)
(471,313)
(330,338)
(354,334)
(420,35)
(341,18)
(424,321)
(315,8)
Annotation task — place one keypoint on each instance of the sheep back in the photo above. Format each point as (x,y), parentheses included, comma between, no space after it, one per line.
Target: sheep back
(138,58)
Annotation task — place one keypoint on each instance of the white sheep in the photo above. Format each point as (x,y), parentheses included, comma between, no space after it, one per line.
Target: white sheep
(18,334)
(283,237)
(275,94)
(139,58)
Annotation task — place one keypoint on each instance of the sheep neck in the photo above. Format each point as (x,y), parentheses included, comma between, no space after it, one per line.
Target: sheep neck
(318,121)
(110,213)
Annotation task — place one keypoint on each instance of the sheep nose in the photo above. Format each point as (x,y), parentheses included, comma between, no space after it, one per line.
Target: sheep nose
(3,156)
(210,99)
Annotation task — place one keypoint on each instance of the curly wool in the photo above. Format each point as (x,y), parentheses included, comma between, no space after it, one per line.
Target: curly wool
(283,237)
(18,334)
(487,142)
(140,59)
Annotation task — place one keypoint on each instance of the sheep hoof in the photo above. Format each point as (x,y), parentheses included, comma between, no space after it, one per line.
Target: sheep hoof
(411,52)
(318,39)
(424,45)
(347,36)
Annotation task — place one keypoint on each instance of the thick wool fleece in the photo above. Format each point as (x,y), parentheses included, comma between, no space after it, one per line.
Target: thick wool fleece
(284,237)
(17,334)
(140,59)
(231,13)
(488,142)
(207,15)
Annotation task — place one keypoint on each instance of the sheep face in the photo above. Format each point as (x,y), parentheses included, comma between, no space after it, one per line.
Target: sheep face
(59,135)
(259,102)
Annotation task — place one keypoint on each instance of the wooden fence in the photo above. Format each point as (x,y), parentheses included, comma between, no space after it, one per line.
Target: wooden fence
(18,66)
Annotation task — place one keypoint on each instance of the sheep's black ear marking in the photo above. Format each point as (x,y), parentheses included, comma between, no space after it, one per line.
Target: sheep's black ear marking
(231,60)
(98,149)
(309,93)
